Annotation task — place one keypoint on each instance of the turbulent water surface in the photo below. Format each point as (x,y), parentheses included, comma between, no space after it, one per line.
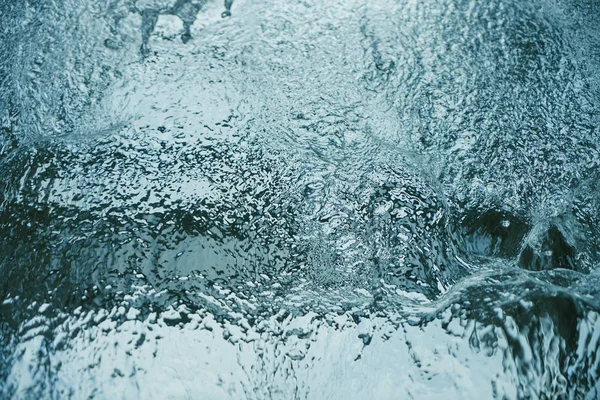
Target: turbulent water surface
(286,199)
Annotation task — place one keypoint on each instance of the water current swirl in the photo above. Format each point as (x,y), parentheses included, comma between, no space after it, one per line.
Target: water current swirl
(300,199)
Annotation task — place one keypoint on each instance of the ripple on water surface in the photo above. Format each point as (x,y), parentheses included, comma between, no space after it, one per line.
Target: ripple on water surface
(391,199)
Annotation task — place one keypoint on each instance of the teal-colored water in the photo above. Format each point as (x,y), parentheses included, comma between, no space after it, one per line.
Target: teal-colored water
(300,199)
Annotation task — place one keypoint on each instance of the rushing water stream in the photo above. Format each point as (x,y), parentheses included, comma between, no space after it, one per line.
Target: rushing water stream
(300,199)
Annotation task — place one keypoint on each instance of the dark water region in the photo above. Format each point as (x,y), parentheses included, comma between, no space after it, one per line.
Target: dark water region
(386,199)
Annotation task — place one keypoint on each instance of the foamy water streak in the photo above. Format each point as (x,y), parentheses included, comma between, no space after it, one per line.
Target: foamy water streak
(383,199)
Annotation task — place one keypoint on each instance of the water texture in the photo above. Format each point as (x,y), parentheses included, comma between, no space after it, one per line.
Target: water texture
(388,199)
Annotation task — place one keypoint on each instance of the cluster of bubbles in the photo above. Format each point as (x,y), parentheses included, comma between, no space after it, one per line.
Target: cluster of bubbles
(284,198)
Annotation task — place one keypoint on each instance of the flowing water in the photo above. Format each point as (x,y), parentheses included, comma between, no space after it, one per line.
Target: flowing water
(300,199)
